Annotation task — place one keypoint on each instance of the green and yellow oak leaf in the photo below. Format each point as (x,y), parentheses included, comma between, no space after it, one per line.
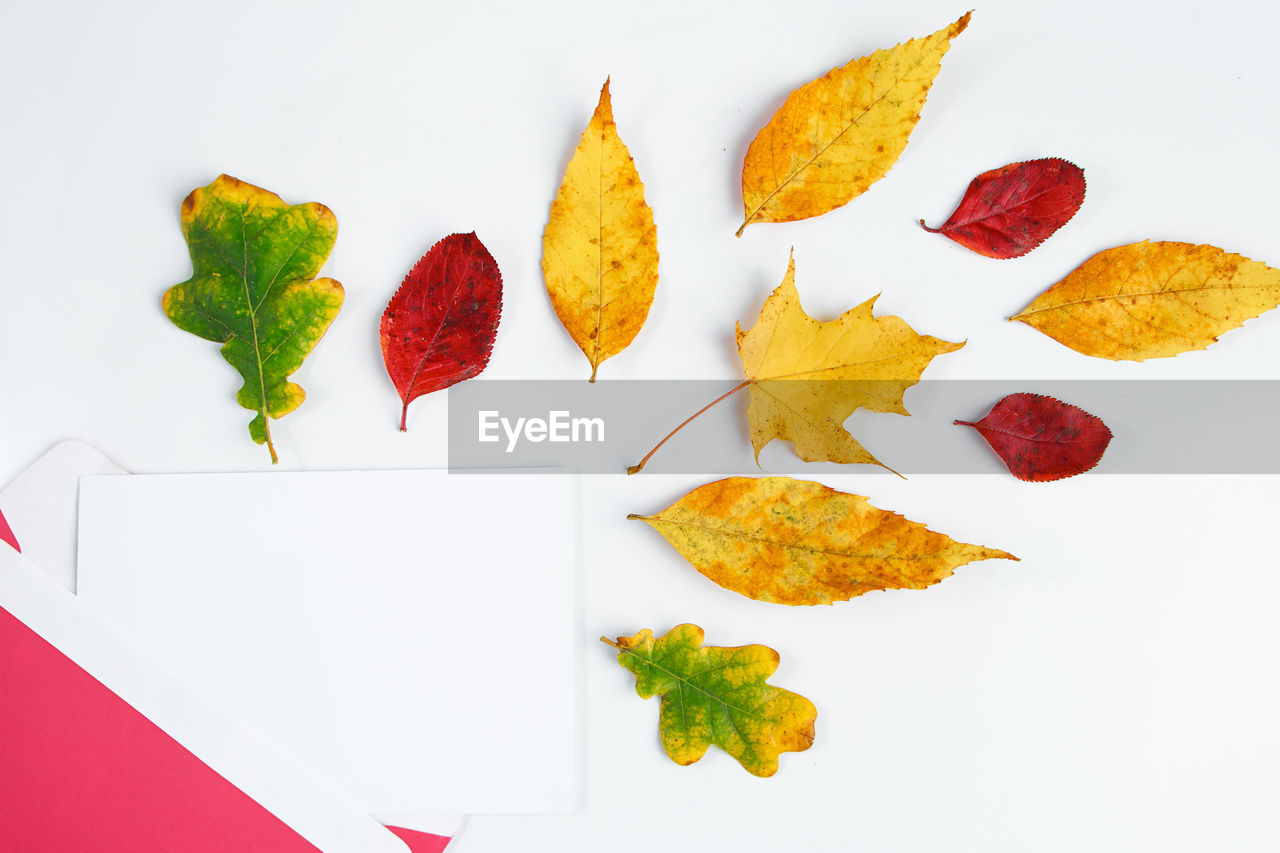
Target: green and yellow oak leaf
(712,694)
(254,289)
(797,542)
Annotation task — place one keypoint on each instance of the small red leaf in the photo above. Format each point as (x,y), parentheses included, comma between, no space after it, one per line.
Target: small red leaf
(1041,438)
(439,327)
(1009,211)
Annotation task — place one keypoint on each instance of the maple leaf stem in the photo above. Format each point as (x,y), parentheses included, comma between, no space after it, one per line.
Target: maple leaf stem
(963,423)
(635,469)
(930,230)
(404,417)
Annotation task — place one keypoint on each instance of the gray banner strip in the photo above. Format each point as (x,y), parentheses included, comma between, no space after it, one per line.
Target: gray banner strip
(1159,427)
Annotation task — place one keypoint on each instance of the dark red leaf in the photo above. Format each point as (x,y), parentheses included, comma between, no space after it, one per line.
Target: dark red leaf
(1009,211)
(439,327)
(1041,438)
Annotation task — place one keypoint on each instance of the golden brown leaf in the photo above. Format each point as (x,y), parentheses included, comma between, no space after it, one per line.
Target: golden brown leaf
(600,250)
(807,378)
(836,136)
(796,542)
(1153,300)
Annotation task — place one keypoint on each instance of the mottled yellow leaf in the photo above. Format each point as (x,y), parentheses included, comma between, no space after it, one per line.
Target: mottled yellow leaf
(796,542)
(713,694)
(600,249)
(836,136)
(1153,300)
(807,378)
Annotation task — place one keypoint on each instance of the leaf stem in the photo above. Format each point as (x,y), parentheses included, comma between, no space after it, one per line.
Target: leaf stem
(609,642)
(266,430)
(930,230)
(404,416)
(635,469)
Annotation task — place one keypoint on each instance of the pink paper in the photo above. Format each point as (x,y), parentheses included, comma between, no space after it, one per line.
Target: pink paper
(6,534)
(421,842)
(82,770)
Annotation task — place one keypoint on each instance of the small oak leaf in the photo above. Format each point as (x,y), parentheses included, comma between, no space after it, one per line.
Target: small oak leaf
(713,694)
(254,289)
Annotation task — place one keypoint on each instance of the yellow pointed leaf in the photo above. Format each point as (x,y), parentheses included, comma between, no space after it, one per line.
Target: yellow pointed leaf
(836,136)
(806,378)
(796,542)
(600,247)
(1153,300)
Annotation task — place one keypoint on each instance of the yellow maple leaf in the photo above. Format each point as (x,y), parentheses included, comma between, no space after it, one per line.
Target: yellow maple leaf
(1153,300)
(600,249)
(836,136)
(797,542)
(807,377)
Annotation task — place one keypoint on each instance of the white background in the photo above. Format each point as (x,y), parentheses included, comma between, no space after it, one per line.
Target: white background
(1115,690)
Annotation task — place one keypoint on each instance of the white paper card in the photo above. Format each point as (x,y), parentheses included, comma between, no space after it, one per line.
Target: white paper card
(407,635)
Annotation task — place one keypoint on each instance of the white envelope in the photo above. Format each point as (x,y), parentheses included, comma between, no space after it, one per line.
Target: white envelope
(41,505)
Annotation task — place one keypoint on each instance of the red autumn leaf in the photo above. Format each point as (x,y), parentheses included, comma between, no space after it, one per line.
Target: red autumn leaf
(1041,438)
(1009,211)
(439,327)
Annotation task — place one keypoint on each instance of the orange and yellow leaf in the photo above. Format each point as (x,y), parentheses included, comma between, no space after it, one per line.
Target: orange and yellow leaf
(836,136)
(1153,300)
(798,542)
